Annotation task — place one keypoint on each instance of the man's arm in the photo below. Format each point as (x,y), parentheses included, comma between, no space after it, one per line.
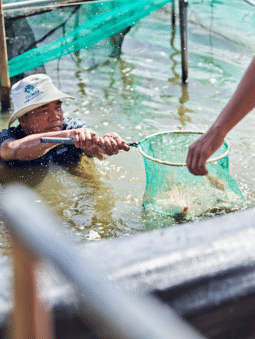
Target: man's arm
(30,147)
(241,103)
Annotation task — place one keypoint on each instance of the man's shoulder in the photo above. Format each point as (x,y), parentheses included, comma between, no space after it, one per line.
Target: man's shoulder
(10,134)
(73,123)
(4,133)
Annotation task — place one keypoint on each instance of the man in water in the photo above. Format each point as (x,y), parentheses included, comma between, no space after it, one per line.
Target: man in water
(240,104)
(37,107)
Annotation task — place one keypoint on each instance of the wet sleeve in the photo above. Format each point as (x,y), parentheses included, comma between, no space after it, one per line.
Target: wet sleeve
(4,136)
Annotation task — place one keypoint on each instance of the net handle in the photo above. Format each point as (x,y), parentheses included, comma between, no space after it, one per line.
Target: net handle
(181,164)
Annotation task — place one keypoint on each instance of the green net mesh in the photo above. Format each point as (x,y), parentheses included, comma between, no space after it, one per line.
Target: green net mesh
(173,190)
(70,29)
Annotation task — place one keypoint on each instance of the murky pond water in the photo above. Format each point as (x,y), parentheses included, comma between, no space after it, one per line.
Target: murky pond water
(137,95)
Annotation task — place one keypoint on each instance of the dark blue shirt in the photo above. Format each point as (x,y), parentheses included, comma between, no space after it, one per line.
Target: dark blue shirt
(62,154)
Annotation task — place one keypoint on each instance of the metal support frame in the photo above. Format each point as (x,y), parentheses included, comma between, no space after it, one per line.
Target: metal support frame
(44,3)
(4,73)
(111,312)
(183,14)
(173,13)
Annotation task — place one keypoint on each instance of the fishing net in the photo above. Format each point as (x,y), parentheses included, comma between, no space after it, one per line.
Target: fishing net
(172,190)
(37,36)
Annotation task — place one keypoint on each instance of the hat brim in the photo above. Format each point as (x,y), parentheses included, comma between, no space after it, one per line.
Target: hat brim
(47,98)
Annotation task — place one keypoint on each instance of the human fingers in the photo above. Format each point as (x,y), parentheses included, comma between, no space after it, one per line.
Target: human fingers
(196,159)
(76,139)
(80,136)
(88,138)
(203,148)
(189,160)
(84,138)
(94,137)
(199,164)
(121,144)
(110,146)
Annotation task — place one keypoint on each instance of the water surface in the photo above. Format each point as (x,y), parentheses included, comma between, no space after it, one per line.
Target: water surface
(139,94)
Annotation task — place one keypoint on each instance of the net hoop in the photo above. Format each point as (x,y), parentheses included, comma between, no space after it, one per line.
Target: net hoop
(181,164)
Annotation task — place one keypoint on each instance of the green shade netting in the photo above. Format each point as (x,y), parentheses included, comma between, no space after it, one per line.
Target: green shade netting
(71,29)
(173,190)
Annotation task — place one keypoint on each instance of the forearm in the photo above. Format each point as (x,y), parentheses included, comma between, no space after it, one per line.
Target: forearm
(29,147)
(241,103)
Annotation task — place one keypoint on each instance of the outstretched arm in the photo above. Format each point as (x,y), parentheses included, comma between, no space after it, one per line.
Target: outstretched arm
(240,104)
(30,147)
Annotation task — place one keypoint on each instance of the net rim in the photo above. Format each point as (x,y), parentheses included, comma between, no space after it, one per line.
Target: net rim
(181,164)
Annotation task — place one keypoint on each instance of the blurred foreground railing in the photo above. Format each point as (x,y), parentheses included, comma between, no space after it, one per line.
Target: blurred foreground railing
(36,234)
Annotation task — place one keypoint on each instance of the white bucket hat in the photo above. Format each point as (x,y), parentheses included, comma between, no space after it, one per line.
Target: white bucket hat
(32,92)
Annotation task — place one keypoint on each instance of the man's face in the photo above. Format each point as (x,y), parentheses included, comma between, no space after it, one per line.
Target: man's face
(47,118)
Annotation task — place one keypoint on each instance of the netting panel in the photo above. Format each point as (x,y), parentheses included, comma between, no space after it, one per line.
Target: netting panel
(68,30)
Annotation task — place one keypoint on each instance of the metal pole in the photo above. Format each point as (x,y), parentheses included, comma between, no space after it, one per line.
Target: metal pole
(183,9)
(111,312)
(173,13)
(40,3)
(4,73)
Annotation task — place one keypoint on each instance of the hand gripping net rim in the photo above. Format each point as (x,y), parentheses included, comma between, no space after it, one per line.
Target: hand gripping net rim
(180,164)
